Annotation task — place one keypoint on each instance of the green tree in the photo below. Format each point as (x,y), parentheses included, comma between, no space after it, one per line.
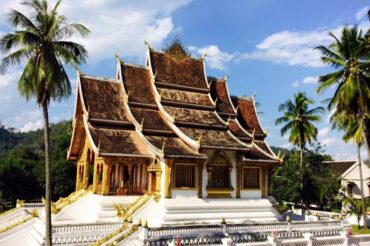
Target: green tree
(350,102)
(298,119)
(355,207)
(39,40)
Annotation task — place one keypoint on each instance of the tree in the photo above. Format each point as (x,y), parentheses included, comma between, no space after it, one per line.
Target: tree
(39,40)
(355,207)
(298,119)
(351,99)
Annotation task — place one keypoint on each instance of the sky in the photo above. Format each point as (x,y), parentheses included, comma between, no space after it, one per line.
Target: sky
(265,46)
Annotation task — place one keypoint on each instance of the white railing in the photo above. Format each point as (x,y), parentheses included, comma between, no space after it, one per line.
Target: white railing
(86,227)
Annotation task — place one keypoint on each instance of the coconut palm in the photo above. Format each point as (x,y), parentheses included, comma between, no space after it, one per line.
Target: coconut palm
(39,43)
(355,207)
(350,102)
(298,119)
(352,132)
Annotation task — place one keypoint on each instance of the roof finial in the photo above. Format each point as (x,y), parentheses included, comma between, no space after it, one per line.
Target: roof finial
(228,120)
(253,136)
(204,56)
(216,100)
(87,113)
(237,108)
(200,138)
(142,123)
(127,95)
(163,145)
(226,77)
(146,43)
(99,147)
(254,95)
(118,58)
(155,75)
(174,116)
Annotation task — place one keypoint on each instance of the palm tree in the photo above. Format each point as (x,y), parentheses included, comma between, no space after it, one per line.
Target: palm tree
(298,119)
(350,102)
(39,43)
(355,207)
(352,131)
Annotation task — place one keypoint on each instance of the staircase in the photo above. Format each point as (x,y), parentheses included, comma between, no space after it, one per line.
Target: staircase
(92,209)
(213,210)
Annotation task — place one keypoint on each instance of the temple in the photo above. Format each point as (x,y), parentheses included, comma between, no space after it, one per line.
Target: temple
(169,129)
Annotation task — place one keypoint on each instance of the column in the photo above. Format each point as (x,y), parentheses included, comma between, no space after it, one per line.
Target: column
(78,176)
(85,180)
(168,178)
(238,179)
(200,166)
(95,177)
(106,179)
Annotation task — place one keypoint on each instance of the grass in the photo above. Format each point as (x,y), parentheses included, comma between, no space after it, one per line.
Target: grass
(356,230)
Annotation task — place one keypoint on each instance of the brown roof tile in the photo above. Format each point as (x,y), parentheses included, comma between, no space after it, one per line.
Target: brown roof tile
(137,84)
(118,141)
(152,118)
(173,146)
(185,97)
(184,72)
(236,129)
(194,116)
(339,167)
(213,138)
(103,98)
(262,145)
(247,115)
(220,92)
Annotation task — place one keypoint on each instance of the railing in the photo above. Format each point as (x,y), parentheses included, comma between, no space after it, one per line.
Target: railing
(85,227)
(176,230)
(126,191)
(34,205)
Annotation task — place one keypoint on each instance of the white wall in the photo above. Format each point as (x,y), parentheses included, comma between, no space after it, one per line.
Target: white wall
(250,194)
(184,193)
(354,176)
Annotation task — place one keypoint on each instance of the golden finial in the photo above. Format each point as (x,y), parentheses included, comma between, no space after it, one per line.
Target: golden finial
(145,224)
(228,120)
(254,95)
(174,116)
(155,75)
(142,122)
(146,43)
(200,138)
(204,56)
(138,222)
(163,145)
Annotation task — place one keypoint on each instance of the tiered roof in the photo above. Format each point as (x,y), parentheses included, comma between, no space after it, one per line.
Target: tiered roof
(168,108)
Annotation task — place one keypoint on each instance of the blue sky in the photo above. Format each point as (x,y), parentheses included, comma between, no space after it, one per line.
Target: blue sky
(266,46)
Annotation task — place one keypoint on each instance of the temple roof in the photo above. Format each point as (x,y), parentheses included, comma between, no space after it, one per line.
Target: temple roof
(247,115)
(168,108)
(154,126)
(185,72)
(220,94)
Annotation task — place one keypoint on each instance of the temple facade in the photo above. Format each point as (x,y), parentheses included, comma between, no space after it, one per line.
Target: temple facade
(168,129)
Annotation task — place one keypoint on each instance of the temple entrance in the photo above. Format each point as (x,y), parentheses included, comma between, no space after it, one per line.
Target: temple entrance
(127,179)
(219,176)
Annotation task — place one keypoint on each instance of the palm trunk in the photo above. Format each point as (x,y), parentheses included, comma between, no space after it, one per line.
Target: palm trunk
(48,236)
(301,176)
(361,185)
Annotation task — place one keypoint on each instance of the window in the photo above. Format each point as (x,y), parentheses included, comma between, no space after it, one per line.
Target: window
(251,178)
(184,175)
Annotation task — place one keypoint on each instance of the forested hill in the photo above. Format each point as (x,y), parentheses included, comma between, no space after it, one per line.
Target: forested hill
(22,163)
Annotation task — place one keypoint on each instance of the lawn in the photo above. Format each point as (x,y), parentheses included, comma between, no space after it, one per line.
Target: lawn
(355,230)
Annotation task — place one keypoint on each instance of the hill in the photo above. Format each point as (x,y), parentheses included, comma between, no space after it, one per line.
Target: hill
(22,163)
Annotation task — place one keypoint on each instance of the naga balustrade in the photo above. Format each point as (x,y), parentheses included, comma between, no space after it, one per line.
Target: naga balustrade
(127,190)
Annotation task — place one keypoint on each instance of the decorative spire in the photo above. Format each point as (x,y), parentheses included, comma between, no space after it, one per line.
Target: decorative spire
(163,146)
(204,56)
(176,49)
(146,43)
(226,77)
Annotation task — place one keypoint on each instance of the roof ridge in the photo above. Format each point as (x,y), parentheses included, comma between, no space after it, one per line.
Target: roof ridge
(104,79)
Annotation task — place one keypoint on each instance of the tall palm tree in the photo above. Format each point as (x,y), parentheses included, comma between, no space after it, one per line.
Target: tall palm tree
(350,102)
(39,43)
(298,118)
(352,131)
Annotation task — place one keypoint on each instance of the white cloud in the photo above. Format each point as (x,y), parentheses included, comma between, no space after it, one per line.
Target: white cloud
(286,146)
(305,81)
(323,132)
(362,13)
(31,126)
(345,156)
(329,141)
(216,58)
(117,26)
(295,48)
